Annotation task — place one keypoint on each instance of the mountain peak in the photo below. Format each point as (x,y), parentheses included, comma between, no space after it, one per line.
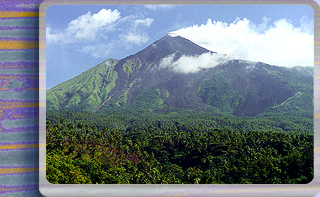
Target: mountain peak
(172,34)
(138,82)
(170,44)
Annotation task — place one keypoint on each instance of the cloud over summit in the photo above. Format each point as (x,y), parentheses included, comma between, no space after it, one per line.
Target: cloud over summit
(280,43)
(192,64)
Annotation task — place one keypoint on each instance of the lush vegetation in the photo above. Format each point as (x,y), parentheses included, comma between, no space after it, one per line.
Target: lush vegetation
(213,92)
(178,147)
(238,122)
(192,121)
(85,91)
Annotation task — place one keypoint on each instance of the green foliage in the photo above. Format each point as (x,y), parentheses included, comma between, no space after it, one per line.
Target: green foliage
(213,92)
(131,65)
(237,88)
(86,91)
(149,100)
(123,98)
(301,103)
(61,169)
(177,148)
(123,118)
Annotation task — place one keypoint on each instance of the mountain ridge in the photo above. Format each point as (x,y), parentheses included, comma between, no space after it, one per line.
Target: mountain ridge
(138,82)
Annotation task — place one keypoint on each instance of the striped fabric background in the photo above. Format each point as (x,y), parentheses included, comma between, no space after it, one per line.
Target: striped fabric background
(19,79)
(19,96)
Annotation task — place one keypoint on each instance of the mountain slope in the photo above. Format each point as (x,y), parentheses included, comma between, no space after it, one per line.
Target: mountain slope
(139,82)
(85,91)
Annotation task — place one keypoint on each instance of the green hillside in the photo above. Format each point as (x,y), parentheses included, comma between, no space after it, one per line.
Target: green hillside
(301,103)
(85,91)
(138,82)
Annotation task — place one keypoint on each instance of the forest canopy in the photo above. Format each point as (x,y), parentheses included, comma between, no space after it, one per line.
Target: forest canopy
(178,148)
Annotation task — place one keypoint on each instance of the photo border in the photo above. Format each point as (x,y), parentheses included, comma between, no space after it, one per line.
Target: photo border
(49,189)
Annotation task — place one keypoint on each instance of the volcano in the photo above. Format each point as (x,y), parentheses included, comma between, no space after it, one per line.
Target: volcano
(174,73)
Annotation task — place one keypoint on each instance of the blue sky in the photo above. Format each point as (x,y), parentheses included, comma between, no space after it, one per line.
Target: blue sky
(80,37)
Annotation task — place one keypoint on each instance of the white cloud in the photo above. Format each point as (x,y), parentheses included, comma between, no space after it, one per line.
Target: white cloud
(144,22)
(99,33)
(85,27)
(306,25)
(192,64)
(279,43)
(155,7)
(133,38)
(97,51)
(52,37)
(135,33)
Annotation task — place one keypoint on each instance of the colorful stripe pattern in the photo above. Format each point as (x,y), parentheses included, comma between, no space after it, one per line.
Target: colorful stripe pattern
(19,92)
